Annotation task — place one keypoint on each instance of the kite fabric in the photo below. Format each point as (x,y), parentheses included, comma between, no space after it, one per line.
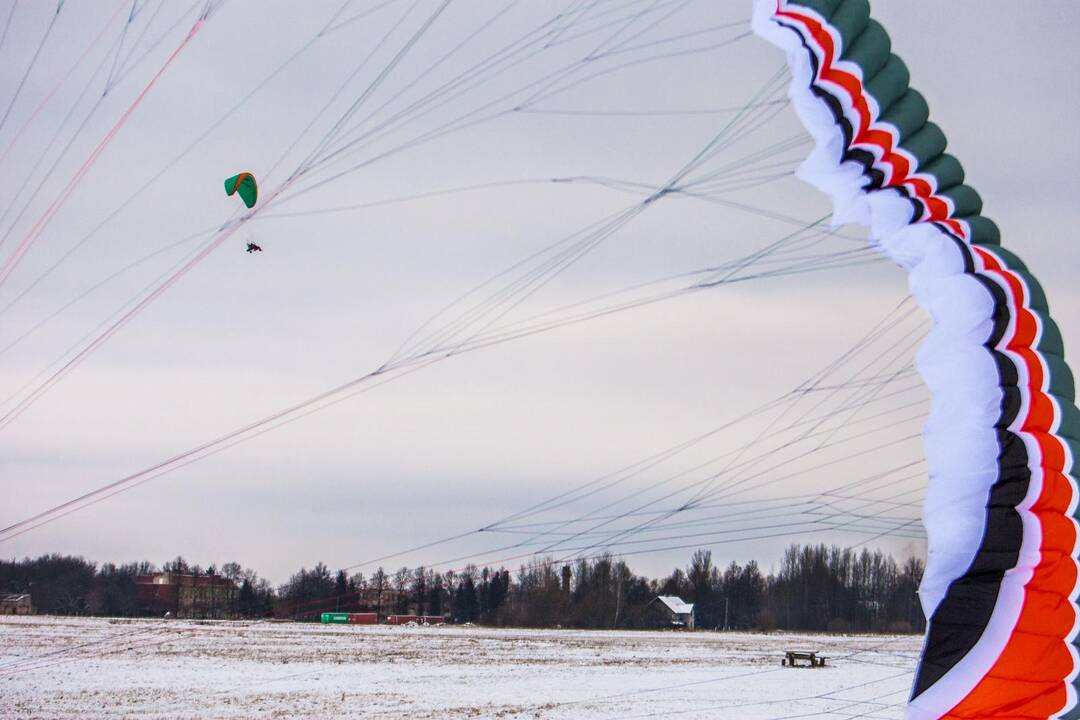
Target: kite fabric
(1000,586)
(244,185)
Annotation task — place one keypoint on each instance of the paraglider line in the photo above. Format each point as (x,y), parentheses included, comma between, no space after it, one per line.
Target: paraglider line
(35,232)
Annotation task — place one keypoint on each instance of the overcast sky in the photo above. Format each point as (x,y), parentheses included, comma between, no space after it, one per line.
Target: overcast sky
(477,437)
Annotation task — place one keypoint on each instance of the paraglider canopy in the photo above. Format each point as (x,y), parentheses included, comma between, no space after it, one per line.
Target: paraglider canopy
(244,184)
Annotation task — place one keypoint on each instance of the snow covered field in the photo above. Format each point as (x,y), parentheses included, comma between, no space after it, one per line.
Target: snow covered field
(89,667)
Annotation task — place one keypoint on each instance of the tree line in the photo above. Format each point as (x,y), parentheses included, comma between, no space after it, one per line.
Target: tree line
(814,587)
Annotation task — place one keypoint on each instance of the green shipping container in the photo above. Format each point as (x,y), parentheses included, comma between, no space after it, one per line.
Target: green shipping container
(335,617)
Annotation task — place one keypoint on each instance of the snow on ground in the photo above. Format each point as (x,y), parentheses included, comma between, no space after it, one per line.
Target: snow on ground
(53,667)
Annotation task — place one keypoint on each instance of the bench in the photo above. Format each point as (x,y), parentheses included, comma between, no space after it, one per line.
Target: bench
(792,658)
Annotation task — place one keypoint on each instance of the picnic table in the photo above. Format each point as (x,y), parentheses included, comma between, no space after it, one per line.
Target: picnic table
(792,658)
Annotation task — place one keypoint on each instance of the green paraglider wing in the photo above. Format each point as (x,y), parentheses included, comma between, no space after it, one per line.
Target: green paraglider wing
(244,184)
(1003,436)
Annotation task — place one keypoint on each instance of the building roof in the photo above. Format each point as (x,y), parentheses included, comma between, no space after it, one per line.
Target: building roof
(676,604)
(186,580)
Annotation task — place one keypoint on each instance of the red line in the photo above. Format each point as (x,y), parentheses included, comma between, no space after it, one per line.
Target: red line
(39,227)
(62,80)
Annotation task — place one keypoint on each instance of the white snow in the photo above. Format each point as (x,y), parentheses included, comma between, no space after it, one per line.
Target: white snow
(54,667)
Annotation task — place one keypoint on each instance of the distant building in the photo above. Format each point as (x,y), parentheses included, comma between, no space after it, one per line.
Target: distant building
(671,611)
(16,604)
(187,596)
(380,600)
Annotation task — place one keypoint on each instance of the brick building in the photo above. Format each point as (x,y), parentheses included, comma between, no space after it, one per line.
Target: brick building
(187,596)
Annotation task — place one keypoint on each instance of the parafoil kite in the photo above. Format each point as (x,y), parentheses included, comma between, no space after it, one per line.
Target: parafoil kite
(1000,586)
(244,185)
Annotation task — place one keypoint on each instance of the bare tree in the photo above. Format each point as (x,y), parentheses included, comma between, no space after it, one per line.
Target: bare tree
(378,586)
(401,586)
